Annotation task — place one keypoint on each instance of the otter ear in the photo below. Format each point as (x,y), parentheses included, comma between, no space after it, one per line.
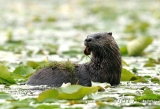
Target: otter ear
(110,33)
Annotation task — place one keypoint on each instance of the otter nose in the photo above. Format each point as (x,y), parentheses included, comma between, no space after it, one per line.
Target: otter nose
(88,39)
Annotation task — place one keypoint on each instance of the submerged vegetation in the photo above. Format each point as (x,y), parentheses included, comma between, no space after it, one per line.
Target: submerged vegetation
(37,34)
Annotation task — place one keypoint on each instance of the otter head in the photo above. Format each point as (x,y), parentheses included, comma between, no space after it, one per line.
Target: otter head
(96,42)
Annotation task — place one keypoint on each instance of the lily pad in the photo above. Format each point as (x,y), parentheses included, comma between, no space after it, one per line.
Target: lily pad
(134,70)
(73,92)
(148,91)
(10,34)
(5,76)
(149,64)
(136,105)
(48,94)
(137,25)
(23,71)
(45,106)
(156,107)
(126,75)
(148,95)
(138,79)
(136,46)
(5,96)
(105,106)
(20,104)
(155,80)
(33,64)
(123,50)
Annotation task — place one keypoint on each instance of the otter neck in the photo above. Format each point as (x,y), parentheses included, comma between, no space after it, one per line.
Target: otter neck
(105,58)
(98,62)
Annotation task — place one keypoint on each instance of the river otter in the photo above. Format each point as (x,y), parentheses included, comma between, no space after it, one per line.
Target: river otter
(105,65)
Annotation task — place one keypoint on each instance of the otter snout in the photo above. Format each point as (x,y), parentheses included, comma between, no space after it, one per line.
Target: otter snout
(88,39)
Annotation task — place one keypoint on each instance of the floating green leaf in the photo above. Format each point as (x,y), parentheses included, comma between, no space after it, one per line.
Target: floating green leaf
(5,76)
(123,50)
(33,64)
(134,70)
(48,94)
(51,19)
(106,106)
(20,104)
(126,75)
(147,91)
(10,34)
(155,80)
(138,79)
(5,96)
(136,26)
(136,105)
(73,92)
(23,71)
(37,19)
(156,107)
(136,47)
(151,60)
(43,106)
(149,64)
(148,95)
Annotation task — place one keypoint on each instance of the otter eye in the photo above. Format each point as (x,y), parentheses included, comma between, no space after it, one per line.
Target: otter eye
(97,37)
